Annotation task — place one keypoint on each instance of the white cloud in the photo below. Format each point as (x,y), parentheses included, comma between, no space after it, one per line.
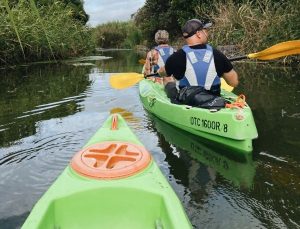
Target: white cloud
(102,11)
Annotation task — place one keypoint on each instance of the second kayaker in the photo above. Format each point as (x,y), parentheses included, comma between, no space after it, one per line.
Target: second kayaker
(157,56)
(193,72)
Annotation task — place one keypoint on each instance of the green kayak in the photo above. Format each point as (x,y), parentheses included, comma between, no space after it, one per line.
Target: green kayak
(233,127)
(113,182)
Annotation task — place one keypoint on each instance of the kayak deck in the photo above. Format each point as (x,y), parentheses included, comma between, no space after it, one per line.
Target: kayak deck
(76,202)
(234,128)
(141,200)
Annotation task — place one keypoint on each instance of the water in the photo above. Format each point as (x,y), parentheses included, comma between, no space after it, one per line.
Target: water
(48,112)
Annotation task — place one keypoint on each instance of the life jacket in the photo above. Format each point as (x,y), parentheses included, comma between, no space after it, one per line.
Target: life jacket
(200,69)
(163,54)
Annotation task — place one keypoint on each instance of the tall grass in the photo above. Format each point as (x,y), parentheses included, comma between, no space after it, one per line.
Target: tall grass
(254,25)
(37,14)
(117,35)
(44,33)
(13,24)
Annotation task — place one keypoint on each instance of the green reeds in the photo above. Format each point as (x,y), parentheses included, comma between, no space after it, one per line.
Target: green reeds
(35,10)
(45,32)
(12,21)
(253,25)
(117,35)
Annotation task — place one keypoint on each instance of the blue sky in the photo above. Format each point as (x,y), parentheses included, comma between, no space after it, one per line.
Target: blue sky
(102,11)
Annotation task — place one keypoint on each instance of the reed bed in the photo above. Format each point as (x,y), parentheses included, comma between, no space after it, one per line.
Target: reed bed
(254,25)
(45,33)
(117,35)
(246,26)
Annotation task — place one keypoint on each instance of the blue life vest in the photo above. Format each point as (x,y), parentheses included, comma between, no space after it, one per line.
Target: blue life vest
(200,69)
(163,54)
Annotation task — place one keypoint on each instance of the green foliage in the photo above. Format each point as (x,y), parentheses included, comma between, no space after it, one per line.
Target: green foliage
(155,15)
(255,25)
(77,10)
(168,14)
(185,10)
(250,25)
(13,25)
(76,7)
(45,33)
(117,35)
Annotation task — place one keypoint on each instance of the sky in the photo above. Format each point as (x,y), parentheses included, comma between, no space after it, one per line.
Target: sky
(102,11)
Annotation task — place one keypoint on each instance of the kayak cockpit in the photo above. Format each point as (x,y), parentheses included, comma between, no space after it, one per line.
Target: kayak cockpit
(120,208)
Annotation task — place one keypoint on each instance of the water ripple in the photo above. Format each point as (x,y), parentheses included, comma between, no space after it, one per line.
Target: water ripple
(273,157)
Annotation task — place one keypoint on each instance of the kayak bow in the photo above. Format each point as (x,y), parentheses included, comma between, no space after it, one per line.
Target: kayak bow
(112,183)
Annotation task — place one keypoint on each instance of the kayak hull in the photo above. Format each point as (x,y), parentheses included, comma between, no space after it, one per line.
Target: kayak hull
(142,200)
(234,128)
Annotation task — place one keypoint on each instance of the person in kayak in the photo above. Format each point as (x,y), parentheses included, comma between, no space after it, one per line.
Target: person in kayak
(156,58)
(193,72)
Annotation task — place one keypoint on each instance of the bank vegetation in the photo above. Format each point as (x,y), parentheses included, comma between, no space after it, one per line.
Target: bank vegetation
(248,26)
(35,30)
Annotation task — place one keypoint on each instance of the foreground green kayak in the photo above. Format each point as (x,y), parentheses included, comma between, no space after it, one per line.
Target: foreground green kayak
(232,127)
(112,183)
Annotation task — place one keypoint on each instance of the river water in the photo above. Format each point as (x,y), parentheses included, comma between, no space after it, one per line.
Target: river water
(48,112)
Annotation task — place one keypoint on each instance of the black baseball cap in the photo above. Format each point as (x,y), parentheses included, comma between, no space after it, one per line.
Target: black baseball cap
(192,26)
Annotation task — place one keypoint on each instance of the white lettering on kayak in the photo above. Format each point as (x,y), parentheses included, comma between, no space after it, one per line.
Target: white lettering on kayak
(208,124)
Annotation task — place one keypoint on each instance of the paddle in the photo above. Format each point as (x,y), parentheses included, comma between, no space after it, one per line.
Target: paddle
(286,48)
(125,80)
(142,61)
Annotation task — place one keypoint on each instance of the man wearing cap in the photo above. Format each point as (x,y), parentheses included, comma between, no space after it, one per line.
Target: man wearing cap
(157,57)
(197,69)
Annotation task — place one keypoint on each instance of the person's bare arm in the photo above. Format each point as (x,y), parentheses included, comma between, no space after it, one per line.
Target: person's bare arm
(231,78)
(147,66)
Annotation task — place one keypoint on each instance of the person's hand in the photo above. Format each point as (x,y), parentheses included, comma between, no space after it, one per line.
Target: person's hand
(162,72)
(146,70)
(168,79)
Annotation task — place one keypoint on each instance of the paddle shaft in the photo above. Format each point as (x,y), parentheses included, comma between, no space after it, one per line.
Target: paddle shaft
(238,58)
(153,74)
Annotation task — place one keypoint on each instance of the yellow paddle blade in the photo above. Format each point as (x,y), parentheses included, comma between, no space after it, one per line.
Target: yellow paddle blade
(279,50)
(277,55)
(125,80)
(142,61)
(225,86)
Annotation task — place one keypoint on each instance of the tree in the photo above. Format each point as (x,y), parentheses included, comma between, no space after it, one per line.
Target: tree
(168,14)
(155,15)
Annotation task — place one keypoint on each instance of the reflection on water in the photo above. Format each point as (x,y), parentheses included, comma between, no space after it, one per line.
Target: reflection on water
(215,180)
(238,168)
(128,116)
(121,61)
(274,95)
(48,112)
(34,94)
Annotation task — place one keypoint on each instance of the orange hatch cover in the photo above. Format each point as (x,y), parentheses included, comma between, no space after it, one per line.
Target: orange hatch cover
(111,160)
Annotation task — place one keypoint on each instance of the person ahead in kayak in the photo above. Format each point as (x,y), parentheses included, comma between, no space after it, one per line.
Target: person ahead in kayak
(193,72)
(157,57)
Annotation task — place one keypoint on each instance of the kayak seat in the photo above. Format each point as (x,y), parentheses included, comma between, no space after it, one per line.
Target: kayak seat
(111,160)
